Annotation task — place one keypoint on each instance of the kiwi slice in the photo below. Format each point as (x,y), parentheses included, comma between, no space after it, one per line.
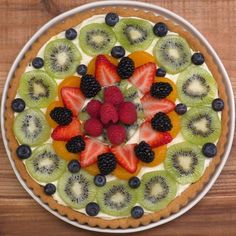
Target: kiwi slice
(201,125)
(123,85)
(30,127)
(157,190)
(45,165)
(37,88)
(134,34)
(184,162)
(61,57)
(196,86)
(77,190)
(116,198)
(96,38)
(131,93)
(172,53)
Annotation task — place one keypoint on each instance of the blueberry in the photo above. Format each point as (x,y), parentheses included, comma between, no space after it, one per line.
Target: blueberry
(160,72)
(74,166)
(118,52)
(18,105)
(38,62)
(49,189)
(23,151)
(160,29)
(209,149)
(92,209)
(71,34)
(137,212)
(81,69)
(180,109)
(218,104)
(197,58)
(111,19)
(99,180)
(134,182)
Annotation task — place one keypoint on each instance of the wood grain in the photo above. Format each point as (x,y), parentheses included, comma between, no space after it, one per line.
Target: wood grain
(21,215)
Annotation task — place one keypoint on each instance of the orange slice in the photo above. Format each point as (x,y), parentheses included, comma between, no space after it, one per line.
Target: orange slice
(175,120)
(93,169)
(141,58)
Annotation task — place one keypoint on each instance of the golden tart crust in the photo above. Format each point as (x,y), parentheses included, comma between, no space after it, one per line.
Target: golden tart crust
(126,222)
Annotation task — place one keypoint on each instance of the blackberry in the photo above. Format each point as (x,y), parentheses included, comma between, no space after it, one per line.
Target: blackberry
(144,152)
(125,68)
(62,115)
(75,144)
(106,163)
(89,86)
(161,122)
(161,90)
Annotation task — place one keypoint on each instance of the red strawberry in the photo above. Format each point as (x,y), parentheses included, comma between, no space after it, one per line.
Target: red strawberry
(126,157)
(105,71)
(143,77)
(153,105)
(152,137)
(66,132)
(93,148)
(73,99)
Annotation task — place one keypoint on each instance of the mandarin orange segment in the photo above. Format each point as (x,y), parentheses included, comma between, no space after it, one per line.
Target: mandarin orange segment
(51,106)
(175,120)
(141,58)
(93,169)
(91,65)
(173,95)
(60,149)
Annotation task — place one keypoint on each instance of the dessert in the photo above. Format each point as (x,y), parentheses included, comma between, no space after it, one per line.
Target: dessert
(116,119)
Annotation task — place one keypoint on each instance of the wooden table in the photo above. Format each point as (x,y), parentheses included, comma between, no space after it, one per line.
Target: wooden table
(214,215)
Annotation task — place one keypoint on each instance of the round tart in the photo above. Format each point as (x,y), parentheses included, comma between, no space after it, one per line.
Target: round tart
(114,117)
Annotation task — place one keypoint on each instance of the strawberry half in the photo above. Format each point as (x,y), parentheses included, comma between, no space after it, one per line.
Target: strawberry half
(66,132)
(143,77)
(73,99)
(152,137)
(152,105)
(105,71)
(126,157)
(93,148)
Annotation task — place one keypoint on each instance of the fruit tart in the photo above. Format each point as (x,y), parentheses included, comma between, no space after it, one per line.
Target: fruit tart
(114,117)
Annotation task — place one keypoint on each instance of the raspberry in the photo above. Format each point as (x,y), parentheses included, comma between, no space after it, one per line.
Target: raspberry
(93,108)
(127,113)
(93,127)
(108,113)
(116,134)
(113,95)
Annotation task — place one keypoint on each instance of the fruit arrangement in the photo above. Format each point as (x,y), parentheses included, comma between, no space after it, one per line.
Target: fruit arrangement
(117,116)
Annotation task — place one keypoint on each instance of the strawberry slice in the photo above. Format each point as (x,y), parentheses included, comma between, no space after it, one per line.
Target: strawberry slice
(93,148)
(66,132)
(152,137)
(73,99)
(153,105)
(143,77)
(126,157)
(105,71)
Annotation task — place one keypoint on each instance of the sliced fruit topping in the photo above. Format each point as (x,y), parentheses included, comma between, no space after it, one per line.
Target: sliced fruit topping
(172,53)
(113,95)
(61,58)
(125,68)
(96,38)
(161,122)
(134,34)
(93,148)
(111,19)
(116,198)
(76,190)
(126,157)
(201,125)
(89,86)
(37,89)
(143,77)
(127,113)
(122,173)
(23,151)
(18,105)
(44,165)
(160,29)
(175,121)
(157,190)
(152,137)
(131,93)
(117,52)
(61,115)
(93,127)
(106,163)
(184,162)
(116,134)
(30,127)
(152,105)
(92,169)
(143,152)
(108,113)
(75,144)
(49,189)
(196,86)
(93,108)
(141,57)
